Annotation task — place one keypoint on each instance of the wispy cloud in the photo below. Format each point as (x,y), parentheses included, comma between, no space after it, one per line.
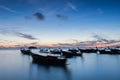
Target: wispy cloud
(39,16)
(88,44)
(26,36)
(62,17)
(18,34)
(7,9)
(72,6)
(98,41)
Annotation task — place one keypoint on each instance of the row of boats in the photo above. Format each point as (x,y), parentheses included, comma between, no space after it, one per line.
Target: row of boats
(79,51)
(59,56)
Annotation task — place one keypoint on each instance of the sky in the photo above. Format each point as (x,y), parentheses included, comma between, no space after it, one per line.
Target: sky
(59,23)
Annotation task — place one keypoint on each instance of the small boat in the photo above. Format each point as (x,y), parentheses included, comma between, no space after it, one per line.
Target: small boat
(104,51)
(115,51)
(48,59)
(110,51)
(67,54)
(25,51)
(75,52)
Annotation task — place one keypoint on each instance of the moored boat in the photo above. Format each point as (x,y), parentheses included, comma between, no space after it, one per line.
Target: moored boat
(67,54)
(110,51)
(48,59)
(25,51)
(75,52)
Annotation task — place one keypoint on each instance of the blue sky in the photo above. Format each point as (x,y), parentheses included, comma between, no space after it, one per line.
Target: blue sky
(54,22)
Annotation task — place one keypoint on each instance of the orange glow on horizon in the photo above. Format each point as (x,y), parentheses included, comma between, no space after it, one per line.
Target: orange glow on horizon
(13,45)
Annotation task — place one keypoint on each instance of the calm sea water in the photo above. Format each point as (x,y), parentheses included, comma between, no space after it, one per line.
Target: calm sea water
(15,66)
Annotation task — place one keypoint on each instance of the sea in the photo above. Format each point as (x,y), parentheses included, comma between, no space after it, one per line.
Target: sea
(91,66)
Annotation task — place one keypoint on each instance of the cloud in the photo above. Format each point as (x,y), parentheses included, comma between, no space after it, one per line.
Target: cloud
(88,44)
(18,34)
(39,16)
(72,6)
(99,41)
(34,43)
(62,17)
(102,39)
(7,9)
(26,36)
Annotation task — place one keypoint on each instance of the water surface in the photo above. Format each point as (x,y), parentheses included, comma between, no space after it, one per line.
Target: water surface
(16,66)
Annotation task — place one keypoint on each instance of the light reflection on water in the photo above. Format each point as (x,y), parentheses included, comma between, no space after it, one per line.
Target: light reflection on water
(15,66)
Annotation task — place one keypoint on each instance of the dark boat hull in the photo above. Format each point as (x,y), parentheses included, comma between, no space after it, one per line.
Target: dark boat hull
(88,51)
(67,54)
(115,51)
(76,52)
(112,52)
(55,52)
(48,59)
(104,52)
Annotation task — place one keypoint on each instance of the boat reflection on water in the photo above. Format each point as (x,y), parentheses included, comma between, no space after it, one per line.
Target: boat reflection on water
(51,72)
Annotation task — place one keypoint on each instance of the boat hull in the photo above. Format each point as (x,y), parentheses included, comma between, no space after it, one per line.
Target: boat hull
(48,59)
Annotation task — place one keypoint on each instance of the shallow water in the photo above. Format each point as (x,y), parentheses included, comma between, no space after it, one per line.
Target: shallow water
(16,66)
